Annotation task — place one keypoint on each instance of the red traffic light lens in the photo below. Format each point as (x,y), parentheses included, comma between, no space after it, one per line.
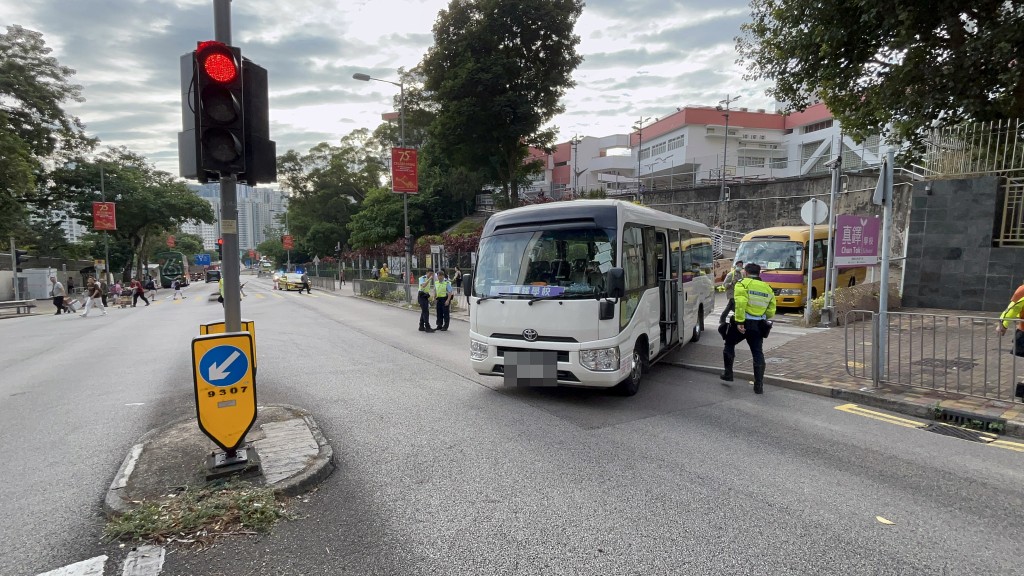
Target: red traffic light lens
(220,67)
(220,241)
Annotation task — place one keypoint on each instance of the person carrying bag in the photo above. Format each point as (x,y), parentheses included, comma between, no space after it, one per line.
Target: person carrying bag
(1015,312)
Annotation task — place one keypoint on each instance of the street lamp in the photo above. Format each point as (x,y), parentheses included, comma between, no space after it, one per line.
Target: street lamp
(106,234)
(401,143)
(575,173)
(725,150)
(639,127)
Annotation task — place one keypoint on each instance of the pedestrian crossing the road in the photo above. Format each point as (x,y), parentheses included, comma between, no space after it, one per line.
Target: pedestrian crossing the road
(141,561)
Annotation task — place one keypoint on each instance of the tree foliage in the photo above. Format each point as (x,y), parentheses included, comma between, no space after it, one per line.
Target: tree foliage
(149,202)
(35,130)
(497,72)
(891,68)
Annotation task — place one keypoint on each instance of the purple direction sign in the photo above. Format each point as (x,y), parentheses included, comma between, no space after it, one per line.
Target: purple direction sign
(857,241)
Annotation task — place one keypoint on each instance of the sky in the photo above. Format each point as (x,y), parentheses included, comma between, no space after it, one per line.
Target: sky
(641,58)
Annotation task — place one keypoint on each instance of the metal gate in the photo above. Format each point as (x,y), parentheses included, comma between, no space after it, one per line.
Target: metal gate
(959,354)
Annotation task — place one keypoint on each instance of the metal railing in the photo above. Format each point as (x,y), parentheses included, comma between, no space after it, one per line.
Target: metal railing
(957,354)
(323,283)
(387,291)
(976,148)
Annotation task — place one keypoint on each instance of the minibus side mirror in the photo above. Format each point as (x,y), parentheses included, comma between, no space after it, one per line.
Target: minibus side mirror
(467,284)
(616,283)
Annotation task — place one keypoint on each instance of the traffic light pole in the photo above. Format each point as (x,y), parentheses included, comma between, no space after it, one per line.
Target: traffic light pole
(228,202)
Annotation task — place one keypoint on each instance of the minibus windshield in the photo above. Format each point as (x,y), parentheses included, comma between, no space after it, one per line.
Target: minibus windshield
(772,254)
(563,263)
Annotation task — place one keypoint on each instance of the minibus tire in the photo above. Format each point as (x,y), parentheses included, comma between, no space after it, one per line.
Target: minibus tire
(631,385)
(699,328)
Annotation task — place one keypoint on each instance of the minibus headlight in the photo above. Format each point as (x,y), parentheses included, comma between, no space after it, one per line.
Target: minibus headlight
(601,359)
(477,350)
(790,292)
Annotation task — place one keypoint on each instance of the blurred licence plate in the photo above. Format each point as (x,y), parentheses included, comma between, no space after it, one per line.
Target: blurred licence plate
(531,368)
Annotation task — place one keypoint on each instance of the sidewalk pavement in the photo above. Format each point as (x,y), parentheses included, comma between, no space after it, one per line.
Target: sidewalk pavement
(813,360)
(292,453)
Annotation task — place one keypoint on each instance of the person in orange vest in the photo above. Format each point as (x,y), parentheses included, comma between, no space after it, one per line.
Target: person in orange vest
(1015,312)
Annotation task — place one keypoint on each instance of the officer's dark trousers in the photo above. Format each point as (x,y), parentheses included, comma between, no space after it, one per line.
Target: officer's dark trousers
(754,340)
(424,302)
(443,313)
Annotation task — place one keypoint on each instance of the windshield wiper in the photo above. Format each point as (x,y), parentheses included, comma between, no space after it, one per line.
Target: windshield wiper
(566,295)
(498,295)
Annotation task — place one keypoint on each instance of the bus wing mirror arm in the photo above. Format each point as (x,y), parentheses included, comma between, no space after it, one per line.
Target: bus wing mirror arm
(616,282)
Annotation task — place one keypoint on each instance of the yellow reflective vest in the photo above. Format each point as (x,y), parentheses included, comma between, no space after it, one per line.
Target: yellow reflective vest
(754,297)
(443,287)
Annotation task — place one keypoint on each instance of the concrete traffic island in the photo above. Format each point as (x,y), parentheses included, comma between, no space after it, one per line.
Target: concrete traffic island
(293,457)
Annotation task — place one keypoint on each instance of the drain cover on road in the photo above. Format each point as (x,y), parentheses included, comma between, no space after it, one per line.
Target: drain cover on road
(961,433)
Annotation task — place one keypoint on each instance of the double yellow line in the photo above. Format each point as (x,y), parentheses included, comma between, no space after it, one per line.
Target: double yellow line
(987,437)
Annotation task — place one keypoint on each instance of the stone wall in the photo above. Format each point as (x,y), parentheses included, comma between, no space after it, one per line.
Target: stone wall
(951,261)
(757,205)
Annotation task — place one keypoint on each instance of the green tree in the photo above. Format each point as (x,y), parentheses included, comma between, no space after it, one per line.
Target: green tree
(35,130)
(890,68)
(379,220)
(149,202)
(272,249)
(497,72)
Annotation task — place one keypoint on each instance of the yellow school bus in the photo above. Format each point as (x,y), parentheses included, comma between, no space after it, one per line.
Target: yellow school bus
(782,254)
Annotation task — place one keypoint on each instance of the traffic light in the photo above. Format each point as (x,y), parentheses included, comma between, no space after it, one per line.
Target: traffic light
(260,150)
(220,248)
(408,244)
(219,106)
(19,256)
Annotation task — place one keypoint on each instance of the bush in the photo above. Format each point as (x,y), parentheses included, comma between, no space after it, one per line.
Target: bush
(860,297)
(389,279)
(396,296)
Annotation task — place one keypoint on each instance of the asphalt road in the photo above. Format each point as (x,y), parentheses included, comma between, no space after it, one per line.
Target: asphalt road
(441,471)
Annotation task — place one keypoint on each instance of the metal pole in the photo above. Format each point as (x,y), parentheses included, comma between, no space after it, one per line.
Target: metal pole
(829,279)
(405,195)
(14,266)
(229,203)
(725,152)
(810,268)
(883,289)
(106,234)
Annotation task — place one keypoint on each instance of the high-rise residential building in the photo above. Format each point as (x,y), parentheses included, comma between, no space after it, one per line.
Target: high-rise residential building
(258,209)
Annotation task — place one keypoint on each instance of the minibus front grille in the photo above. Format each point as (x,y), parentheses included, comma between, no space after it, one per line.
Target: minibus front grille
(563,355)
(538,339)
(562,375)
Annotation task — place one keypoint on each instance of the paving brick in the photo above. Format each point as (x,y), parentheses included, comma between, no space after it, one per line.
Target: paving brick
(286,450)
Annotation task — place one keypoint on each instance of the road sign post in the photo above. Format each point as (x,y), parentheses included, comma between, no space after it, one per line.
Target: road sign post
(813,212)
(225,390)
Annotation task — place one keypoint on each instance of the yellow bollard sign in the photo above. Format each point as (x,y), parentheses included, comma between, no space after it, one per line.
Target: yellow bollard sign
(218,328)
(225,386)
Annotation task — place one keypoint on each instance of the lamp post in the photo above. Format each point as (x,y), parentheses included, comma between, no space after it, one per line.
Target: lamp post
(106,234)
(639,127)
(725,149)
(575,173)
(401,142)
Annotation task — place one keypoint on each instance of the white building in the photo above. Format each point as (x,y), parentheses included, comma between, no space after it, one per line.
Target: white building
(258,209)
(690,148)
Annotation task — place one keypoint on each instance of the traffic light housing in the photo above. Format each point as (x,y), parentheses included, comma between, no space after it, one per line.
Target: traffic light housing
(220,248)
(408,244)
(19,257)
(219,108)
(260,150)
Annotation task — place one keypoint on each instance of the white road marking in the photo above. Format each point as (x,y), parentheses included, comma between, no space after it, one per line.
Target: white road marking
(144,561)
(90,567)
(133,457)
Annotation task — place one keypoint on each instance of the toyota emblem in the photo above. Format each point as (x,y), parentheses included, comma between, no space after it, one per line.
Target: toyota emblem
(529,334)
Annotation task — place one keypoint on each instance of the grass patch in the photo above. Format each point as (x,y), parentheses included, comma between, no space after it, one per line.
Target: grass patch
(198,515)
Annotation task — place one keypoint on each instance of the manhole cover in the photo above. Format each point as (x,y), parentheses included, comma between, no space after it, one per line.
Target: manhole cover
(961,364)
(961,433)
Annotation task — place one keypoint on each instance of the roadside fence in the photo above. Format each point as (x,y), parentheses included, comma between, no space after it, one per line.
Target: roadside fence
(958,354)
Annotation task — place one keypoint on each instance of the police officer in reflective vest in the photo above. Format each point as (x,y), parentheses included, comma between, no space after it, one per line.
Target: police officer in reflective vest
(423,298)
(755,304)
(445,293)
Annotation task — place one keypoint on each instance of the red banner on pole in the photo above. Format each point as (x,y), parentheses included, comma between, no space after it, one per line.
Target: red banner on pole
(103,216)
(404,177)
(170,241)
(287,241)
(252,253)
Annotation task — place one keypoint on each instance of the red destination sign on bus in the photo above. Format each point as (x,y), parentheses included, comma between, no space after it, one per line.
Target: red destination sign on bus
(103,216)
(404,177)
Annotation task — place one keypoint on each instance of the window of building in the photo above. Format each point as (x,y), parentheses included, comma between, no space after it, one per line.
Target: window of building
(750,161)
(566,163)
(645,153)
(677,142)
(778,162)
(658,149)
(817,126)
